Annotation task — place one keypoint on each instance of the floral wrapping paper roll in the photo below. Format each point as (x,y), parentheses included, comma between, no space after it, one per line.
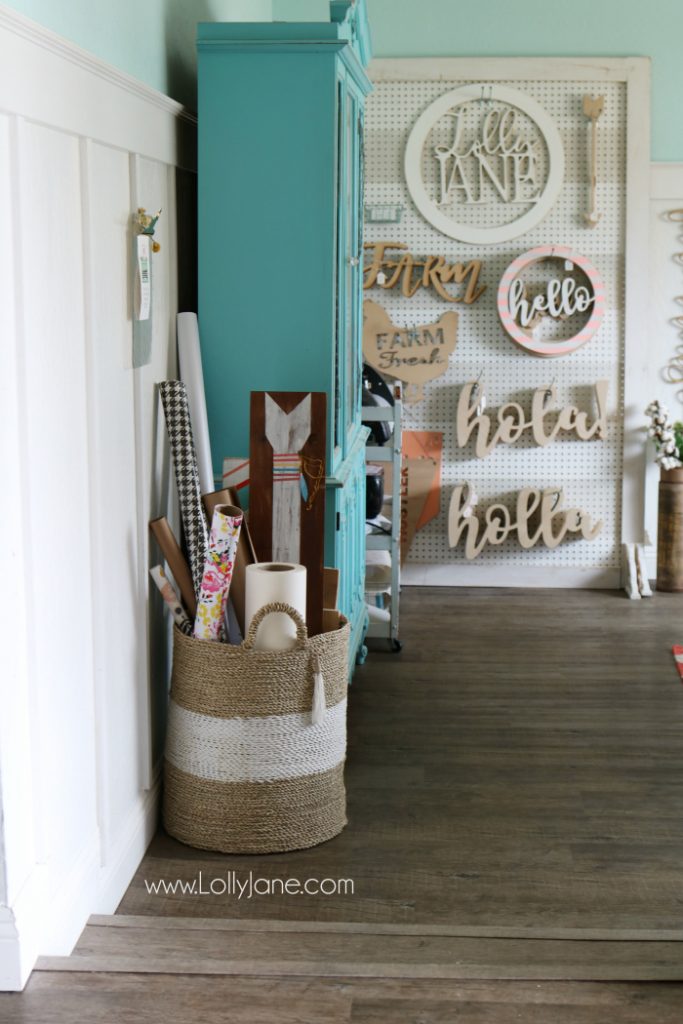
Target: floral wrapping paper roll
(226,523)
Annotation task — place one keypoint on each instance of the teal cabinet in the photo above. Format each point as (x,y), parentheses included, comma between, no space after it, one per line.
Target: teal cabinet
(280,244)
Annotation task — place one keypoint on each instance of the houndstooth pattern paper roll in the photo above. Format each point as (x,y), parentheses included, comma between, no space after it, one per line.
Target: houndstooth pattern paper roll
(176,410)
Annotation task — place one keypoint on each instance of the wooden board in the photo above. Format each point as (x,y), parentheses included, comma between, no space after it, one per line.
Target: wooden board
(155,945)
(308,530)
(330,587)
(174,999)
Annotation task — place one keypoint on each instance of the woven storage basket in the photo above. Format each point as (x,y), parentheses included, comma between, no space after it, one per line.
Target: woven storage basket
(246,770)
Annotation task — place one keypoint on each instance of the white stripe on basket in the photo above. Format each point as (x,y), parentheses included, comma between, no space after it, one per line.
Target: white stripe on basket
(255,749)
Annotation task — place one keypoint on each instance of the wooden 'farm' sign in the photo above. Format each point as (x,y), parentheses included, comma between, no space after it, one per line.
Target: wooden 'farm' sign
(432,272)
(414,355)
(287,485)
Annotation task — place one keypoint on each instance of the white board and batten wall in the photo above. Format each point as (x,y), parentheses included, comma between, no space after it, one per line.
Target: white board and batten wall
(85,465)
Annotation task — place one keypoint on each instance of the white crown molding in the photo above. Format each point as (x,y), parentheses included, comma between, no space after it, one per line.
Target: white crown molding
(48,80)
(36,33)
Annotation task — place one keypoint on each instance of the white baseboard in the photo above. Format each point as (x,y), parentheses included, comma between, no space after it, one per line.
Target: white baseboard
(651,562)
(128,851)
(423,574)
(50,913)
(13,974)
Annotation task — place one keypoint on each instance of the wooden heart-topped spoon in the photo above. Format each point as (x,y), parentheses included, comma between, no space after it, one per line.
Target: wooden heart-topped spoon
(592,108)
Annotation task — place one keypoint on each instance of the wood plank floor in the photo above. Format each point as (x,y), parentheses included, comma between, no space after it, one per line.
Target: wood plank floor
(519,765)
(172,999)
(175,945)
(517,771)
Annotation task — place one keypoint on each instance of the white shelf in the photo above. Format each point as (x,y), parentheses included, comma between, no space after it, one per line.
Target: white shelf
(377,540)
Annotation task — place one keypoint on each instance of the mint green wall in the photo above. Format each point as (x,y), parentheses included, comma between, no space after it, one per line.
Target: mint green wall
(153,40)
(552,28)
(548,28)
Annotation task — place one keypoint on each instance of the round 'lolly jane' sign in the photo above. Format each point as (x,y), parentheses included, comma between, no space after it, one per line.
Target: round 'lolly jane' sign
(551,315)
(484,163)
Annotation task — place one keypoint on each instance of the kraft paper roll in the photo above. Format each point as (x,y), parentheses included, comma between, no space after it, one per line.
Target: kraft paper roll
(275,581)
(190,361)
(176,561)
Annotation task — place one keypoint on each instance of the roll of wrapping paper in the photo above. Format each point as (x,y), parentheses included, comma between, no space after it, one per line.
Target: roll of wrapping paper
(245,552)
(176,410)
(220,561)
(171,598)
(190,363)
(275,581)
(176,561)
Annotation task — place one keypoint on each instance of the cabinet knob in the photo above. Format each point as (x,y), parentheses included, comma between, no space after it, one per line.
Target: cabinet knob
(354,261)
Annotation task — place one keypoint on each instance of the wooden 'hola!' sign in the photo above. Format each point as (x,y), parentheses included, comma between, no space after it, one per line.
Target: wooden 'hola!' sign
(510,422)
(414,355)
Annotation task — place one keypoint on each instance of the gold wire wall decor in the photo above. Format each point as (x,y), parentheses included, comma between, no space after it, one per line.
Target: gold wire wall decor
(673,371)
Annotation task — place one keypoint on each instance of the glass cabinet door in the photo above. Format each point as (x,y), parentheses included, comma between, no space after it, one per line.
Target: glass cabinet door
(348,357)
(354,202)
(351,257)
(338,415)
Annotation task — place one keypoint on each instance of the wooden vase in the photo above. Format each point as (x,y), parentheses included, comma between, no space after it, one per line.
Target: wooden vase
(670,531)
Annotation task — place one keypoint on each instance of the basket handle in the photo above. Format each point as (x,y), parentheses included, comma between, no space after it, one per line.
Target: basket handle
(269,609)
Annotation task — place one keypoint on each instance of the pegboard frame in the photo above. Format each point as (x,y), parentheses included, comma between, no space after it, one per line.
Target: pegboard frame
(634,72)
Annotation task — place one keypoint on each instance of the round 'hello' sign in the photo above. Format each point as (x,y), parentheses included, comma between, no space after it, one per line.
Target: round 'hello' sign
(529,301)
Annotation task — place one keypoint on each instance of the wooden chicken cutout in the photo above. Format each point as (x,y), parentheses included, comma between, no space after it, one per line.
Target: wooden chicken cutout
(414,355)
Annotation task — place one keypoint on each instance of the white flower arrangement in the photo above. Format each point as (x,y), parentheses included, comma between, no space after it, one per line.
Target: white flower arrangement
(667,437)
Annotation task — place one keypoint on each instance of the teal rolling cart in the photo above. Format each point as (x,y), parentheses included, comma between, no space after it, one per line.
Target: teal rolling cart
(280,245)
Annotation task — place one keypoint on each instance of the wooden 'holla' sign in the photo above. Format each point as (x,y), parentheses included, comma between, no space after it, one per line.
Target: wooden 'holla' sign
(488,146)
(560,298)
(433,271)
(414,355)
(538,518)
(511,421)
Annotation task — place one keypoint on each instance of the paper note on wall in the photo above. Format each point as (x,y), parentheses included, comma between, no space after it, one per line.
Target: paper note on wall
(421,483)
(145,283)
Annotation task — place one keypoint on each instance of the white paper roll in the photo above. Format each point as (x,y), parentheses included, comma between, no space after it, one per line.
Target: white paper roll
(190,361)
(376,614)
(275,581)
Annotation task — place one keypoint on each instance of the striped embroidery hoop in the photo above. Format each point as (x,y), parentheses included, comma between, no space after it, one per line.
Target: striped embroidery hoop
(525,338)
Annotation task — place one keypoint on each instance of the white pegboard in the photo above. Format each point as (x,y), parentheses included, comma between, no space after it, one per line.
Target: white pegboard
(589,471)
